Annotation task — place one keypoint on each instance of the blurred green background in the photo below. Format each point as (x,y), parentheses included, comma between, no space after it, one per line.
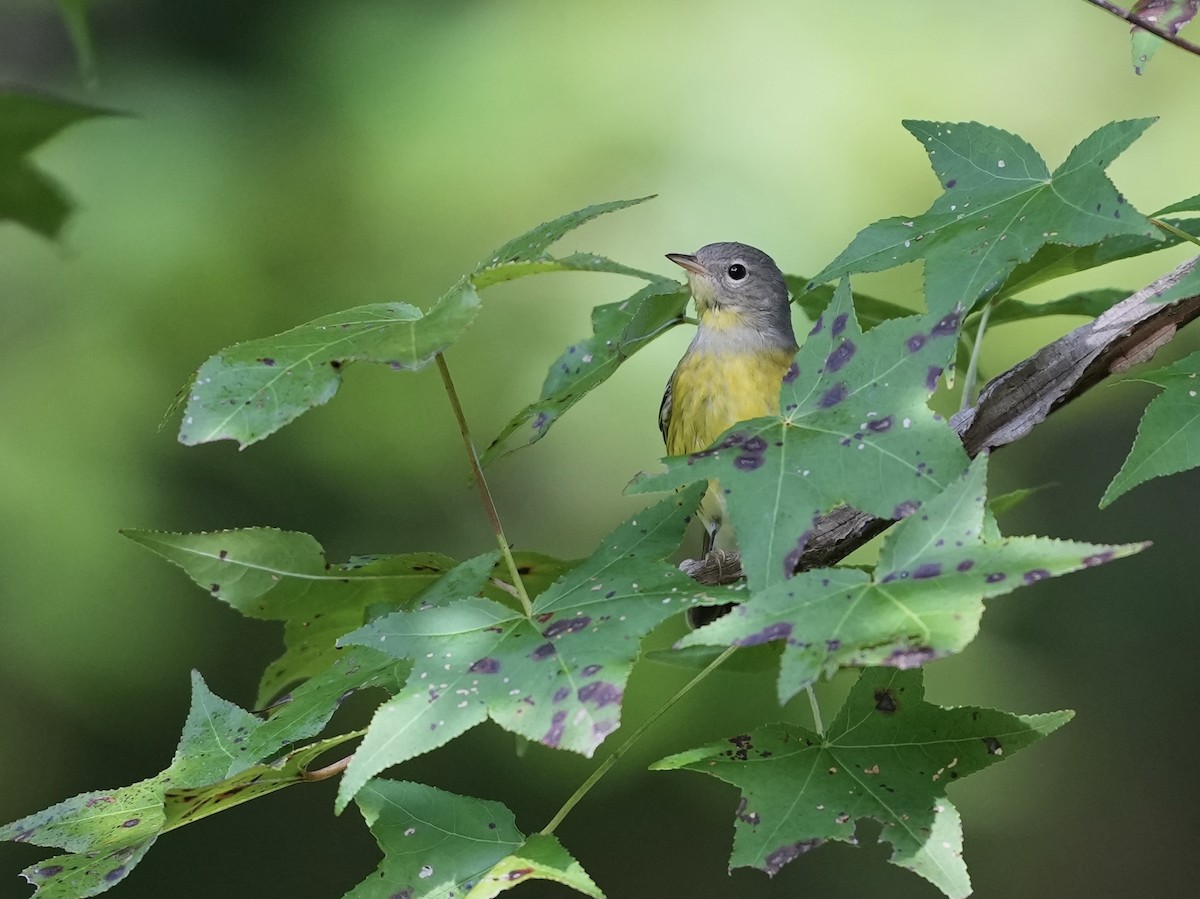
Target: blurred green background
(283,160)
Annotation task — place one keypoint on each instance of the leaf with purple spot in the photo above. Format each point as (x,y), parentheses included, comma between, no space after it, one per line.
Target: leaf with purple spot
(438,845)
(853,428)
(923,601)
(888,755)
(557,677)
(1000,206)
(221,761)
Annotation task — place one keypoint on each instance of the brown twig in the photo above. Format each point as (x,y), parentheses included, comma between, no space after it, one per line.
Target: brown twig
(1012,404)
(1146,25)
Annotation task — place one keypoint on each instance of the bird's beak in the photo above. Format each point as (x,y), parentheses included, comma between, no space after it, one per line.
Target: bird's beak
(691,263)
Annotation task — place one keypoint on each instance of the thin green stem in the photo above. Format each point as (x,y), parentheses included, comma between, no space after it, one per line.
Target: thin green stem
(816,711)
(1178,232)
(973,365)
(481,482)
(605,765)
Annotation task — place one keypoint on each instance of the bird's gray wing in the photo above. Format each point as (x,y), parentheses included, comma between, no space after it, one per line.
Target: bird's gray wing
(664,411)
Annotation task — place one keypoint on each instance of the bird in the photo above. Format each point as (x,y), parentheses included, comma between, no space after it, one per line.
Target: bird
(734,367)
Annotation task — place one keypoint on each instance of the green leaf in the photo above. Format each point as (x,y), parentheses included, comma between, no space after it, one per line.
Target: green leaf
(28,196)
(532,245)
(283,576)
(437,845)
(889,756)
(1169,15)
(558,678)
(1055,260)
(1191,204)
(74,13)
(1000,206)
(186,805)
(1088,303)
(218,764)
(923,601)
(1168,438)
(250,390)
(542,857)
(619,331)
(815,299)
(853,428)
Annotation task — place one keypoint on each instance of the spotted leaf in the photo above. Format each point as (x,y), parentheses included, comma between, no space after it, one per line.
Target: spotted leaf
(1000,206)
(220,762)
(922,602)
(557,677)
(853,428)
(888,755)
(438,844)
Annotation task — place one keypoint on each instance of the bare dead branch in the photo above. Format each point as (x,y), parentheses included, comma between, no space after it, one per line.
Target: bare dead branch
(1011,405)
(1146,25)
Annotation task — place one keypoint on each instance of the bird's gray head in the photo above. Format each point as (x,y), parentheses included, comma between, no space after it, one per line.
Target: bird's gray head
(738,280)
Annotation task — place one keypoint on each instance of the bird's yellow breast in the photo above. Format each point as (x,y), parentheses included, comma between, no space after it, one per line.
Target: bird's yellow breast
(712,391)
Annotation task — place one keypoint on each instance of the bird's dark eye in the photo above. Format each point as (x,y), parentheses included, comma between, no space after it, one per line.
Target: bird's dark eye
(737,271)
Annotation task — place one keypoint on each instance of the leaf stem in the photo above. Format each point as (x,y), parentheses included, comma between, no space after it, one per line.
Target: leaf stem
(485,494)
(816,711)
(604,766)
(973,365)
(1171,229)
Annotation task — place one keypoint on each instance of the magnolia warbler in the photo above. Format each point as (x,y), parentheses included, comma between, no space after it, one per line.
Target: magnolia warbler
(735,365)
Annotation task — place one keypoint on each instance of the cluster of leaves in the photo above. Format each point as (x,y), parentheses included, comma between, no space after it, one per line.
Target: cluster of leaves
(544,647)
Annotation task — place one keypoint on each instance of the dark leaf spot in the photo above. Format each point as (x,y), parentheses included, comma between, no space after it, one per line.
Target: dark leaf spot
(775,861)
(600,692)
(542,652)
(777,631)
(131,822)
(905,509)
(589,670)
(49,871)
(833,395)
(951,183)
(964,565)
(1037,574)
(540,421)
(879,425)
(792,561)
(885,701)
(560,694)
(518,873)
(915,342)
(266,360)
(995,577)
(931,377)
(992,745)
(566,626)
(557,725)
(928,569)
(1098,559)
(840,356)
(947,327)
(913,657)
(485,665)
(839,324)
(744,816)
(115,874)
(817,325)
(793,372)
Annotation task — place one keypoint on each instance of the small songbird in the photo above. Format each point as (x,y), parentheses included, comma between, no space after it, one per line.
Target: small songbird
(735,365)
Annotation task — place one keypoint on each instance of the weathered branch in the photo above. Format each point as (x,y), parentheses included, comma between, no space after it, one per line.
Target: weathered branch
(1012,404)
(1167,34)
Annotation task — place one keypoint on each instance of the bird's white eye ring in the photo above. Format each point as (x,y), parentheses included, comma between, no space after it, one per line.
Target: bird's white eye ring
(737,271)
